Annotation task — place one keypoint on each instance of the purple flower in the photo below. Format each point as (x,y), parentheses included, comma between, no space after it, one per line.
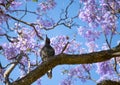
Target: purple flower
(24,61)
(88,13)
(58,43)
(82,50)
(74,71)
(47,5)
(92,35)
(104,68)
(10,51)
(46,23)
(108,23)
(73,47)
(25,43)
(26,40)
(91,46)
(83,1)
(16,4)
(81,30)
(100,14)
(80,71)
(2,1)
(66,82)
(105,46)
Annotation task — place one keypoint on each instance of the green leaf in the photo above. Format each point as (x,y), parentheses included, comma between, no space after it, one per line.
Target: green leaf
(35,0)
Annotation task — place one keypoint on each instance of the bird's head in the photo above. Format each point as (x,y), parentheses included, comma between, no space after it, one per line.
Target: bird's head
(47,42)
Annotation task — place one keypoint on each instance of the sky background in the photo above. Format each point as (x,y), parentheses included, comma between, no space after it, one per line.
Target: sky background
(61,30)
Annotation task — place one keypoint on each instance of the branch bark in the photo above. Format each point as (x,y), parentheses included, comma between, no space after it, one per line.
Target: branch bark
(61,59)
(109,82)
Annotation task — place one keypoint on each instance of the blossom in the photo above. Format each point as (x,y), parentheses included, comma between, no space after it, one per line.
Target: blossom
(88,13)
(45,23)
(80,71)
(91,46)
(58,43)
(73,47)
(92,35)
(105,46)
(101,15)
(89,33)
(1,1)
(10,51)
(81,30)
(16,4)
(47,5)
(83,0)
(108,23)
(66,82)
(26,40)
(25,43)
(104,68)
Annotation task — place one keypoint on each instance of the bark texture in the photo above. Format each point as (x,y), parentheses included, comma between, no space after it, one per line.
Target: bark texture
(109,82)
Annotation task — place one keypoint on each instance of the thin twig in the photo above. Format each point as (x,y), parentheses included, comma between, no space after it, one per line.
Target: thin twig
(65,47)
(29,24)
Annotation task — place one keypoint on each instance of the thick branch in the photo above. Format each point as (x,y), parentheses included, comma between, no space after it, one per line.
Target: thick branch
(68,59)
(109,82)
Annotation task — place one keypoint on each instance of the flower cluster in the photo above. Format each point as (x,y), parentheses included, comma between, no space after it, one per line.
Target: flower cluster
(89,11)
(16,4)
(88,33)
(73,47)
(5,7)
(104,68)
(10,51)
(66,82)
(58,43)
(92,46)
(25,42)
(47,5)
(47,23)
(80,71)
(100,13)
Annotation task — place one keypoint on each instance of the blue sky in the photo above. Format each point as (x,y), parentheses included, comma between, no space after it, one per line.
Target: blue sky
(61,30)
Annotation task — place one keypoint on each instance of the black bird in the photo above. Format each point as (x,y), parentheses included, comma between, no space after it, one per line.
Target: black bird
(46,52)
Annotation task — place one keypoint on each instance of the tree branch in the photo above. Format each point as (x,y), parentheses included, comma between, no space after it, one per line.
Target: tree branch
(61,59)
(109,82)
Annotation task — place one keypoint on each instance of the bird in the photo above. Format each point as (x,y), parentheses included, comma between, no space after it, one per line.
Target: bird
(47,52)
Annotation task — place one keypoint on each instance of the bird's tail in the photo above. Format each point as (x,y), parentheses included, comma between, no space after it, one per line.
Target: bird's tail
(49,74)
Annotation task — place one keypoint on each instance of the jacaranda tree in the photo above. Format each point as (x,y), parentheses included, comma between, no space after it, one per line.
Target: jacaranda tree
(83,33)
